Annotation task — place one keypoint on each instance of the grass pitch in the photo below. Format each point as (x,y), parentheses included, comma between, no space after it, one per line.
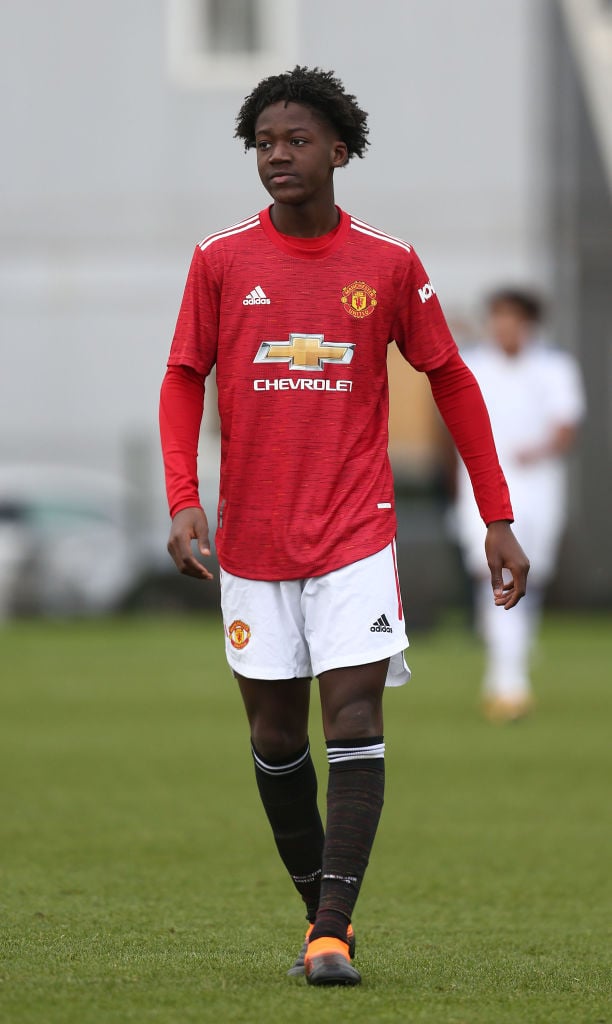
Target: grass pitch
(139,881)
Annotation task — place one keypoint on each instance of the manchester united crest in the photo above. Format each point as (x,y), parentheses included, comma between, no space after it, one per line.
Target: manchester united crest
(239,634)
(359,299)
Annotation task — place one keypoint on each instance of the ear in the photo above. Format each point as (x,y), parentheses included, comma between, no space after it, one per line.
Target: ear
(339,154)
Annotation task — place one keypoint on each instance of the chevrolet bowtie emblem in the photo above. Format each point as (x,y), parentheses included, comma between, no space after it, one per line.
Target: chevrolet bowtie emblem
(304,352)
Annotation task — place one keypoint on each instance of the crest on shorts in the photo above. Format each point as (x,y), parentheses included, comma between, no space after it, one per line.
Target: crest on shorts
(239,634)
(359,299)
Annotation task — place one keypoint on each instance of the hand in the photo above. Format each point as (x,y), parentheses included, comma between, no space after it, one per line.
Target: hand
(529,456)
(559,442)
(504,552)
(190,524)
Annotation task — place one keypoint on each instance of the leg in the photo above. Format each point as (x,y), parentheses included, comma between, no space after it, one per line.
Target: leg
(508,637)
(277,711)
(351,701)
(353,618)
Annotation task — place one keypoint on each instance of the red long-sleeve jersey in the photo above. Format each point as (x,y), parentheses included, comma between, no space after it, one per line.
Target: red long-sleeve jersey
(298,330)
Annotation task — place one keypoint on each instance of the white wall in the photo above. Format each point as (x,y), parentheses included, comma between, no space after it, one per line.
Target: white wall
(110,174)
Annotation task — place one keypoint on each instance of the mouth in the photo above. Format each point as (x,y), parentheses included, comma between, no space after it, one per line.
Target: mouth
(281,178)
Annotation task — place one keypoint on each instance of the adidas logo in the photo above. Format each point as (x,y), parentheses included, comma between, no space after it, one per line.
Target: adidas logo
(381,625)
(256,298)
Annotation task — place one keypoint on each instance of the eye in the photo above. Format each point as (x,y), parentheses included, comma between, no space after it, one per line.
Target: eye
(262,145)
(298,142)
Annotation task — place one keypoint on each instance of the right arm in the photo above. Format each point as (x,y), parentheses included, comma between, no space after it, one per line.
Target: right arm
(192,356)
(180,414)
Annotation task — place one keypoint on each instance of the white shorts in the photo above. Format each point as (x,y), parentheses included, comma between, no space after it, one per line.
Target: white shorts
(296,629)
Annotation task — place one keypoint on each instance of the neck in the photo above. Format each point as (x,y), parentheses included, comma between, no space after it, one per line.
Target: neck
(305,220)
(514,351)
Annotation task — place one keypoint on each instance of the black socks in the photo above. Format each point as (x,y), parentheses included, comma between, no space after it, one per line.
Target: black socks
(327,869)
(288,791)
(354,802)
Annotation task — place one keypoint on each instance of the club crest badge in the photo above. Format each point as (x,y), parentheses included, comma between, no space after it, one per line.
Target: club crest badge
(359,299)
(239,634)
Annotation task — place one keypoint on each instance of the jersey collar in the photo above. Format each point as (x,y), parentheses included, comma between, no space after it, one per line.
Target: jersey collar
(307,248)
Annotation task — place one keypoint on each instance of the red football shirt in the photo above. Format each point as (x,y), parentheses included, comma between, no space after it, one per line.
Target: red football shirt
(298,330)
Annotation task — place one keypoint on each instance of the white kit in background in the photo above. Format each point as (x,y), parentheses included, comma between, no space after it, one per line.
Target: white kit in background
(529,395)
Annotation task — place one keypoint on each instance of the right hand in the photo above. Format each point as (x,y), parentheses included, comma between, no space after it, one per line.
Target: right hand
(504,552)
(190,524)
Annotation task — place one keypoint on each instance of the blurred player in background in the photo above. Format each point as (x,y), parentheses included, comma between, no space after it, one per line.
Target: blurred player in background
(535,399)
(295,306)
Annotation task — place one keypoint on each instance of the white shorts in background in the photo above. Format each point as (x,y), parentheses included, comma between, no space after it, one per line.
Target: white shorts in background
(294,629)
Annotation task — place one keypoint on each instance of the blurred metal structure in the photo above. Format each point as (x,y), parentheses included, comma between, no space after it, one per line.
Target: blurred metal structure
(581,236)
(588,24)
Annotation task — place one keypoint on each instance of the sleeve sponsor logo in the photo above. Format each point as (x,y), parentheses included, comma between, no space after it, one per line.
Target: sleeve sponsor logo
(359,299)
(426,291)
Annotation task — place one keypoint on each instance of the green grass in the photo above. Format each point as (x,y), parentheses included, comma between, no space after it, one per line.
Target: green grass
(138,881)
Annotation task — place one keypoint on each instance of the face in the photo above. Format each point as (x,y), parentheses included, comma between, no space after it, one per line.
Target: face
(297,153)
(509,328)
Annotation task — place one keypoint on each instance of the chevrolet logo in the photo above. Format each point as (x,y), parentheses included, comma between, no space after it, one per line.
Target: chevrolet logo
(304,352)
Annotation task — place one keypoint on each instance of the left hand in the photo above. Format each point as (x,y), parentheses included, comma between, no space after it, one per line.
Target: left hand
(504,552)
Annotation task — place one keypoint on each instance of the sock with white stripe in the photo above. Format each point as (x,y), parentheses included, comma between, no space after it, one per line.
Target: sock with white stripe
(355,797)
(288,791)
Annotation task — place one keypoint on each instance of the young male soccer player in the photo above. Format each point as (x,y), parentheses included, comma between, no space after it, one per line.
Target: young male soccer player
(295,307)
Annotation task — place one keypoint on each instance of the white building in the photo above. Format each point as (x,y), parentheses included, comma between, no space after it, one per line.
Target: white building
(118,155)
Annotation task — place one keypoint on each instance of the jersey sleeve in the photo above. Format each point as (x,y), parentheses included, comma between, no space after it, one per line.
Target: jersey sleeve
(180,414)
(420,330)
(197,328)
(462,407)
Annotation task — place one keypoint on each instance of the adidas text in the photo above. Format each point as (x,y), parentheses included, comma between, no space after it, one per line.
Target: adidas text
(257,297)
(381,625)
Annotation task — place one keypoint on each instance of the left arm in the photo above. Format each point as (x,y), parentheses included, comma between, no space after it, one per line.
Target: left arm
(461,405)
(561,439)
(566,406)
(423,337)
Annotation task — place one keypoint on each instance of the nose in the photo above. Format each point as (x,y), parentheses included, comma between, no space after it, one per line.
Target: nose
(279,153)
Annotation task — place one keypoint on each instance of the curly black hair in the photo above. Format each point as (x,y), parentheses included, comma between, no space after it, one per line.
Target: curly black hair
(313,88)
(530,305)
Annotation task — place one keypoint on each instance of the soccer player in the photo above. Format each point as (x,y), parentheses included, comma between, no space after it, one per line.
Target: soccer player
(536,400)
(295,306)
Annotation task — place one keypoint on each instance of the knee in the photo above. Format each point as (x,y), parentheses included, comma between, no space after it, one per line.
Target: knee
(358,719)
(276,742)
